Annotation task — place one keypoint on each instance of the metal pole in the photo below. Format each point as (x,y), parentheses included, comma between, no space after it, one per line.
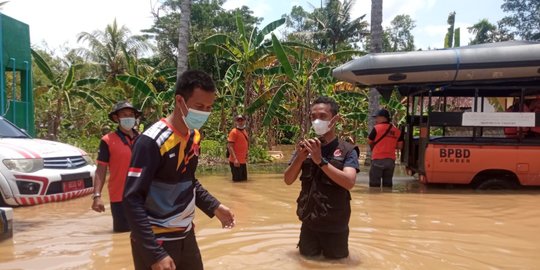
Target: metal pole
(14,92)
(521,107)
(475,109)
(482,101)
(429,112)
(27,95)
(444,110)
(2,75)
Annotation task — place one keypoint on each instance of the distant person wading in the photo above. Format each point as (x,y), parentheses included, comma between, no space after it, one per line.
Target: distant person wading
(384,140)
(238,149)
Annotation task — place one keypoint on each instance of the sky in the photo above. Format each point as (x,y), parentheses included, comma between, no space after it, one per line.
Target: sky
(55,23)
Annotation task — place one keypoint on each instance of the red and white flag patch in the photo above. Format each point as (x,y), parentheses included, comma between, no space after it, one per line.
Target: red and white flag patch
(134,172)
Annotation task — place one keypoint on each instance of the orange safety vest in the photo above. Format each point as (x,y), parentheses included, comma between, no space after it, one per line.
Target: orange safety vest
(386,148)
(119,159)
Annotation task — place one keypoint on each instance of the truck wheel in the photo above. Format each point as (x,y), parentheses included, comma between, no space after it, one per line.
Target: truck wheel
(497,184)
(2,202)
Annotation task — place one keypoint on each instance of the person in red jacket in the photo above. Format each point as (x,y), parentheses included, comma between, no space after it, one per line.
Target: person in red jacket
(115,153)
(384,139)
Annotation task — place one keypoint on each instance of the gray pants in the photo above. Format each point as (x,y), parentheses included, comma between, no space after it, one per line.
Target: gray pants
(381,169)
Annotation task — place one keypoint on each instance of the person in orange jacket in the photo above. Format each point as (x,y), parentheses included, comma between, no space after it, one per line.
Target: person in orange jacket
(238,147)
(384,140)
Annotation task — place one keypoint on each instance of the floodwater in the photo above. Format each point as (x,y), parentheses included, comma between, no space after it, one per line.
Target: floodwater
(409,227)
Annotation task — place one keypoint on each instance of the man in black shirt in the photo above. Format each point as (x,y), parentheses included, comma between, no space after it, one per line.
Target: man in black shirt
(161,190)
(327,167)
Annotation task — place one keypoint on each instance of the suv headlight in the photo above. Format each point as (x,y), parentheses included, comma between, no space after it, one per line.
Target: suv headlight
(26,165)
(89,160)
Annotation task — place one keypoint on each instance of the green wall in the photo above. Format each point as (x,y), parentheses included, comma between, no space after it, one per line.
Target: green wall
(16,62)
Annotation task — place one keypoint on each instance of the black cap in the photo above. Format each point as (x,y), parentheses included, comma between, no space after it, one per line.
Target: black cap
(383,113)
(123,105)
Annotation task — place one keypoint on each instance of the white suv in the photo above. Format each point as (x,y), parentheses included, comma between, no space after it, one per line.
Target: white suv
(34,171)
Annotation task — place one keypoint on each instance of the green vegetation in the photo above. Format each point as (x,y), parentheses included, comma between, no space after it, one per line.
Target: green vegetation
(271,72)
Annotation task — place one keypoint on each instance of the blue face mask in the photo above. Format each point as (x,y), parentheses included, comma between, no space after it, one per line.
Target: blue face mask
(127,123)
(195,119)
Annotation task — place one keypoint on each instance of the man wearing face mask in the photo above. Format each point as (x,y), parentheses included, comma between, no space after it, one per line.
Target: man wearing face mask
(327,167)
(238,146)
(161,190)
(115,153)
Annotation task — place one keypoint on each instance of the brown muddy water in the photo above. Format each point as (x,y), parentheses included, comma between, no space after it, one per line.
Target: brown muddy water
(410,227)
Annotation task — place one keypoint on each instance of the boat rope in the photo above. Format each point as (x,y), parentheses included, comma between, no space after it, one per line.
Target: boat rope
(458,64)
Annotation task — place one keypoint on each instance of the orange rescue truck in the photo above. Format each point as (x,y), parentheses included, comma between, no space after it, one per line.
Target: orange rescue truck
(493,143)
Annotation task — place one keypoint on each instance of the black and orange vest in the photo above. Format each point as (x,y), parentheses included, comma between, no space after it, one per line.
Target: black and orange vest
(323,205)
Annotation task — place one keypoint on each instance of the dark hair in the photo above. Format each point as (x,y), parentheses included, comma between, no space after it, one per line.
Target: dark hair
(334,107)
(191,79)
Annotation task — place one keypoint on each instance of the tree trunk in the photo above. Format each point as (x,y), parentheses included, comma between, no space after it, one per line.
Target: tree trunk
(58,116)
(183,37)
(376,47)
(253,124)
(223,123)
(307,108)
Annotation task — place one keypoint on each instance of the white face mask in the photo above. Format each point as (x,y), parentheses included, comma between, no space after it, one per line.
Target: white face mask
(127,123)
(321,127)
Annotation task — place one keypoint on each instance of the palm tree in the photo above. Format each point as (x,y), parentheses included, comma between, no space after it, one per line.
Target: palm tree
(376,47)
(183,37)
(109,47)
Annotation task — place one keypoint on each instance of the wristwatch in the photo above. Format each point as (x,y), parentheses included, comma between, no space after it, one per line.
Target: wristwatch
(96,195)
(324,162)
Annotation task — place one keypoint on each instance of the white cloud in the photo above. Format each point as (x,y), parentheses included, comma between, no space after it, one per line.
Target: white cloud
(260,8)
(232,4)
(59,21)
(433,35)
(392,8)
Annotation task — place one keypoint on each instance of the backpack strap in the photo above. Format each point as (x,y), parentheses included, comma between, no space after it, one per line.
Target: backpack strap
(382,137)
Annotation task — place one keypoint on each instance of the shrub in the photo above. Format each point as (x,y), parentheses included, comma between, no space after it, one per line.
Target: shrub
(257,154)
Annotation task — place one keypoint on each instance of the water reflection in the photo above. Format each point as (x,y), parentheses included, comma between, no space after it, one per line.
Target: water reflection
(408,227)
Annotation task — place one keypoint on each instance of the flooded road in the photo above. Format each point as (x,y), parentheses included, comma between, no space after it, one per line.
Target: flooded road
(410,227)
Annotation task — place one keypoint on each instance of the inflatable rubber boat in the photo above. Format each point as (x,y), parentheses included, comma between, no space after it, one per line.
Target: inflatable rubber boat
(485,62)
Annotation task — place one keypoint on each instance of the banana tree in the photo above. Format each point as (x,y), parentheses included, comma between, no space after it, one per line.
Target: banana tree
(152,86)
(64,87)
(249,52)
(303,73)
(230,87)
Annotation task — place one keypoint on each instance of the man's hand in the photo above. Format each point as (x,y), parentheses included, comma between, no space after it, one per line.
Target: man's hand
(313,146)
(166,263)
(236,163)
(301,151)
(225,215)
(98,205)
